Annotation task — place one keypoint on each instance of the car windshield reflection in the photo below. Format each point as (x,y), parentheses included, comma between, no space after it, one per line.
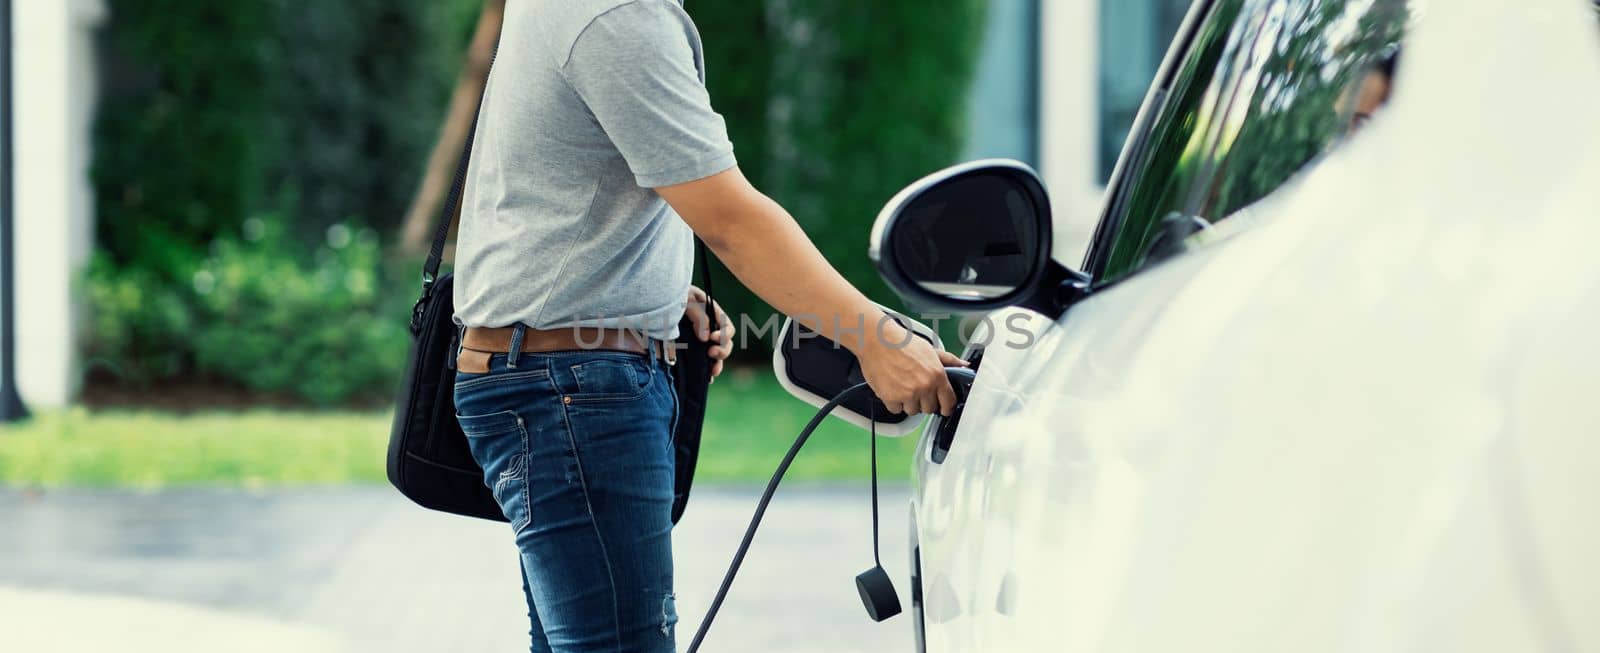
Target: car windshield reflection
(1267,90)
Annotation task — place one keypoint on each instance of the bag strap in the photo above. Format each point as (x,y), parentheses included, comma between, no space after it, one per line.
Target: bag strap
(452,202)
(703,261)
(452,209)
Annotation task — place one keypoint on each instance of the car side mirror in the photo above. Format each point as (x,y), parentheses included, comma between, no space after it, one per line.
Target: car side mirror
(974,237)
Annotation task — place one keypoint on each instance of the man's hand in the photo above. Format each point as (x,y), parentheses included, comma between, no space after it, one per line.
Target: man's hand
(702,329)
(766,249)
(907,373)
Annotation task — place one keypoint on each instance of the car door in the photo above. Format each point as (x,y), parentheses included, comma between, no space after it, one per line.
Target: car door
(1253,95)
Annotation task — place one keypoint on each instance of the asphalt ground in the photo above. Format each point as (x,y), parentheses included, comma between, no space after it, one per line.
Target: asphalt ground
(361,569)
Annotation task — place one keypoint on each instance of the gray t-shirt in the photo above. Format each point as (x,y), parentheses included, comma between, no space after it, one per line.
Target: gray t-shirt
(591,105)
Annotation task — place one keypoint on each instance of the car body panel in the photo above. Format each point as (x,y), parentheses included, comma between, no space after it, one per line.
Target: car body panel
(1362,418)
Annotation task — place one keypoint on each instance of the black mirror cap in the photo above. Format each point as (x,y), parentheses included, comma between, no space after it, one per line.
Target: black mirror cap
(1043,292)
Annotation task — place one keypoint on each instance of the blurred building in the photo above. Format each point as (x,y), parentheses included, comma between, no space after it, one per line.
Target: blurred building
(53,60)
(1058,86)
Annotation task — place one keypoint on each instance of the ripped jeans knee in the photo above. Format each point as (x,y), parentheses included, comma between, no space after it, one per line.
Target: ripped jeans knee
(669,613)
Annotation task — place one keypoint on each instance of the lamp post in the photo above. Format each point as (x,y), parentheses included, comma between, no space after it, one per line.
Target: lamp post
(11,408)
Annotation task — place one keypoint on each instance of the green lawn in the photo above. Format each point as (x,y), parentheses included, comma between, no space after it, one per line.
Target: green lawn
(751,423)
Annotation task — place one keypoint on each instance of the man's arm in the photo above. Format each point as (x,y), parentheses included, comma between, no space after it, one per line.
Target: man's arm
(761,243)
(634,67)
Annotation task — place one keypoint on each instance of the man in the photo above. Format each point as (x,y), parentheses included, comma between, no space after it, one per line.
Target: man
(597,152)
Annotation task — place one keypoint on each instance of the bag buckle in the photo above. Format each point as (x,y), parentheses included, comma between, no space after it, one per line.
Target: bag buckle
(416,314)
(421,306)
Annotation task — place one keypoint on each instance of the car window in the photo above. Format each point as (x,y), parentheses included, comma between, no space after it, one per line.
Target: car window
(1267,87)
(1134,35)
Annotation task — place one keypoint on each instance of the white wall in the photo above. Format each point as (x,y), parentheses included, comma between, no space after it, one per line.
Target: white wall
(1069,121)
(54,106)
(1002,107)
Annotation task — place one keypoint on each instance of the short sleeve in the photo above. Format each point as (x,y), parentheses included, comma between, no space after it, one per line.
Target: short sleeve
(635,68)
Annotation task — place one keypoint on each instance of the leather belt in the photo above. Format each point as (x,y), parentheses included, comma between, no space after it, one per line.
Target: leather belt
(478,344)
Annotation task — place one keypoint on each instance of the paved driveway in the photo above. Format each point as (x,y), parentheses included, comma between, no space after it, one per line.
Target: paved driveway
(363,570)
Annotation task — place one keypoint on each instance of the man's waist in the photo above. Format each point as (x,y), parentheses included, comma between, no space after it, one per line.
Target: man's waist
(492,303)
(478,344)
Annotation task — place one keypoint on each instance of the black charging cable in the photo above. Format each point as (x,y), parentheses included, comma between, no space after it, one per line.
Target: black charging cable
(761,509)
(877,591)
(873,415)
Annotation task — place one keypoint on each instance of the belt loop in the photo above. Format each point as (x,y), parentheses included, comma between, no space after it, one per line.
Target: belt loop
(669,352)
(516,345)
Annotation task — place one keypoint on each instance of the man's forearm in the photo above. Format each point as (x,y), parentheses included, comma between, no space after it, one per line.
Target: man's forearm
(766,249)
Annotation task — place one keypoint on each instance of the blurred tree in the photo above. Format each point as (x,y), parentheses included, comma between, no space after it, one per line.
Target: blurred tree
(358,95)
(214,112)
(185,133)
(739,54)
(834,105)
(276,129)
(464,100)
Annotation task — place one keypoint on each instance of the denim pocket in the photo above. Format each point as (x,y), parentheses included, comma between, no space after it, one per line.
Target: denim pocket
(482,426)
(618,378)
(499,442)
(468,381)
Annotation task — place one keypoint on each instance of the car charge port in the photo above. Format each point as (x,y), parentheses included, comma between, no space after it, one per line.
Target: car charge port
(944,428)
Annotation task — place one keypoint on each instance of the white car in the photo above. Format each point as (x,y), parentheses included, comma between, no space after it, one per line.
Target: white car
(1328,378)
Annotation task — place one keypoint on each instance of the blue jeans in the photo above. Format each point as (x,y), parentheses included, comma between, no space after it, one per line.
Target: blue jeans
(577,447)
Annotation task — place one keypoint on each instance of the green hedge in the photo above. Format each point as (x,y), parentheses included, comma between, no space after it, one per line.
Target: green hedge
(246,155)
(214,112)
(257,312)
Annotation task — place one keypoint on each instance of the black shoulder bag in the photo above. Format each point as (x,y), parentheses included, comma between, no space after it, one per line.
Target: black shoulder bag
(428,457)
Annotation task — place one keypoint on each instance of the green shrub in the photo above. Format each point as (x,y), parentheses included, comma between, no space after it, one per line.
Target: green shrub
(283,120)
(258,312)
(137,322)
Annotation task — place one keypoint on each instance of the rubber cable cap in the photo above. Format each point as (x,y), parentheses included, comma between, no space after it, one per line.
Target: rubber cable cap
(877,594)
